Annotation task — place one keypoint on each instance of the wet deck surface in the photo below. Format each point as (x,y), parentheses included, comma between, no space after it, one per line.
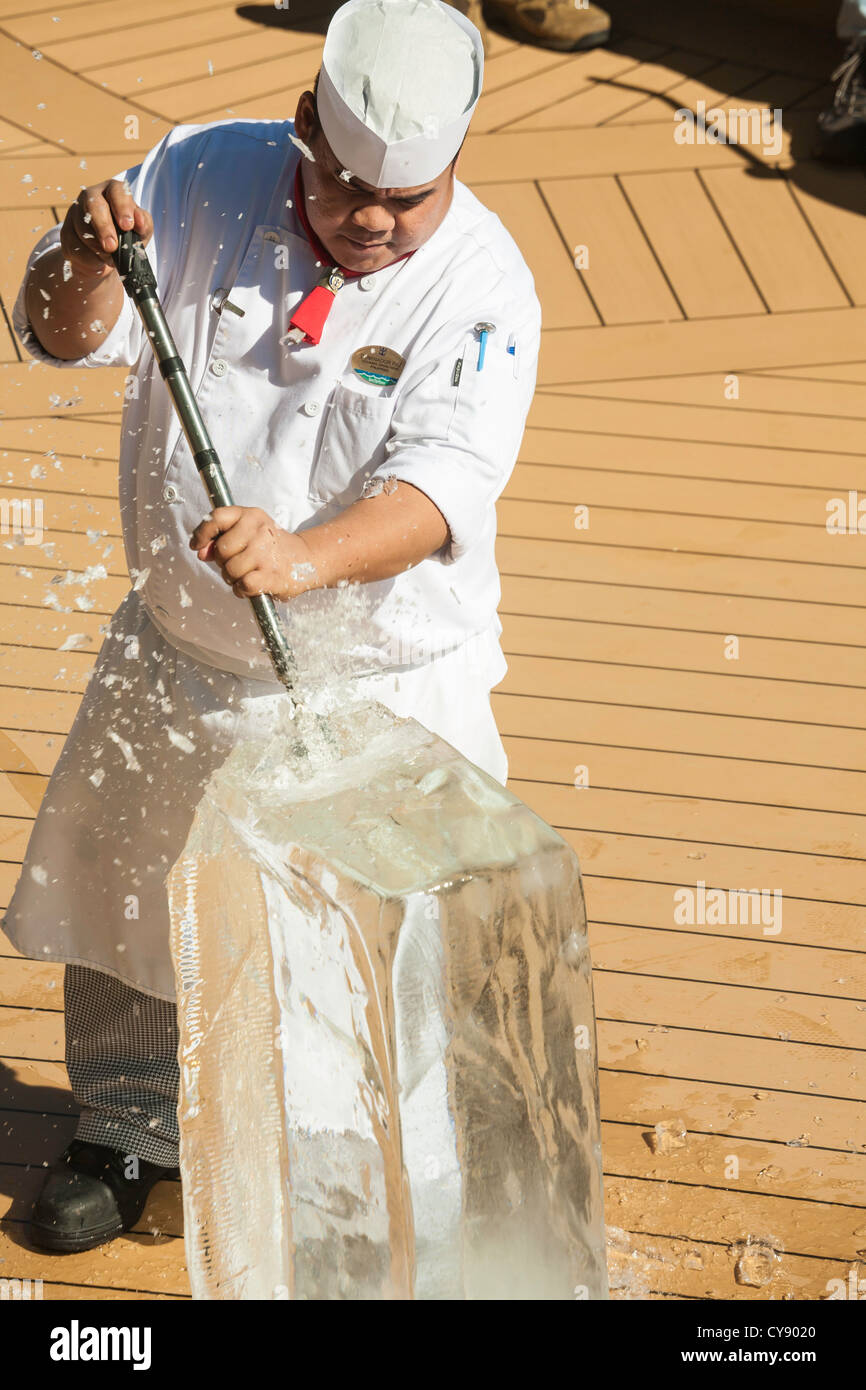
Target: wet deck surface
(691,646)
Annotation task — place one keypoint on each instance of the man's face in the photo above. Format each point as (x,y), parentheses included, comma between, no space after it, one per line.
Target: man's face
(365,228)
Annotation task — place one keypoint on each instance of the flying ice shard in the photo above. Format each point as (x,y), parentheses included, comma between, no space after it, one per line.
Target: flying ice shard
(388,1065)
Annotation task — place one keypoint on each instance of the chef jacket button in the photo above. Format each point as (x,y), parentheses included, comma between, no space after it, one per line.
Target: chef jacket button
(311,407)
(170,493)
(367,282)
(219,366)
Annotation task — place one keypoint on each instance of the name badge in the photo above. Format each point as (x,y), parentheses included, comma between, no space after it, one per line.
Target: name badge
(381,366)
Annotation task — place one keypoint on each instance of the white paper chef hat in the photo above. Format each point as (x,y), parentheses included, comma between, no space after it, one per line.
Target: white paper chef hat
(398,85)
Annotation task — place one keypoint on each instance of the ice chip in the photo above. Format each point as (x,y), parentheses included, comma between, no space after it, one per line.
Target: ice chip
(304,569)
(668,1136)
(770,1174)
(755,1261)
(374,486)
(180,740)
(305,149)
(132,762)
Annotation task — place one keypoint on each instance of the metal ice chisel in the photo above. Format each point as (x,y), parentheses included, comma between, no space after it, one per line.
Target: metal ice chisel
(136,274)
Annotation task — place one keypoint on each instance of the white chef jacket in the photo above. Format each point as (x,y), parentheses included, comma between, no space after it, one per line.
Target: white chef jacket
(297,431)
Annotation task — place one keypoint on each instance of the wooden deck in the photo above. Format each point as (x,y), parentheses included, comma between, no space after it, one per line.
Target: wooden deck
(702,392)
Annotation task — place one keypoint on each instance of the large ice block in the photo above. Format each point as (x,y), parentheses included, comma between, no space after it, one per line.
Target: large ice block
(388,1063)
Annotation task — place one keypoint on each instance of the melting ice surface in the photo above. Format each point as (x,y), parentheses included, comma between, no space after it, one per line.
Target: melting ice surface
(388,1067)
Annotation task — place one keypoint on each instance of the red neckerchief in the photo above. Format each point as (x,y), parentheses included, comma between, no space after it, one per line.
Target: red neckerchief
(310,315)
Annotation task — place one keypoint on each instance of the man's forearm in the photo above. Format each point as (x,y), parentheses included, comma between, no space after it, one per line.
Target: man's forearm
(376,537)
(71,316)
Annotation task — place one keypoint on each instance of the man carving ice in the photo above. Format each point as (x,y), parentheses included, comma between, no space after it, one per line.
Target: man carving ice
(361,335)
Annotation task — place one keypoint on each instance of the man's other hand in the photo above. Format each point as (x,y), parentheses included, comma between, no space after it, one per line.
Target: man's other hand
(254,554)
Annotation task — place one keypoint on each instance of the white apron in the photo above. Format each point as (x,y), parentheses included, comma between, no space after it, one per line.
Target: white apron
(121,800)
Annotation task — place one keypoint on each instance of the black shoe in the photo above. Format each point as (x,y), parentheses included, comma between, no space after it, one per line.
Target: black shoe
(87,1198)
(842,128)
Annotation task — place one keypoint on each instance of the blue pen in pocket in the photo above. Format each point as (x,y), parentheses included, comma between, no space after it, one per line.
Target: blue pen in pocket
(483,330)
(512,348)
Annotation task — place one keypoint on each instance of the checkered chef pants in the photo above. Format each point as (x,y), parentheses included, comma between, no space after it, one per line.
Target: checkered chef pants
(121,1055)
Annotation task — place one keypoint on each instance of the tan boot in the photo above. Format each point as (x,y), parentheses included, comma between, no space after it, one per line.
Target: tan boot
(560,24)
(472,10)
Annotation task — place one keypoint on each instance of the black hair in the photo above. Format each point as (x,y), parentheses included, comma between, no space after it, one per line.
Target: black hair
(317,124)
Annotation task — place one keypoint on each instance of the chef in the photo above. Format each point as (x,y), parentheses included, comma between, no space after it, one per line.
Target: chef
(361,335)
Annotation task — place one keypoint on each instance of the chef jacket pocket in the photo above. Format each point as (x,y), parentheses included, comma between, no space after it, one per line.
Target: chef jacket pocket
(460,378)
(351,445)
